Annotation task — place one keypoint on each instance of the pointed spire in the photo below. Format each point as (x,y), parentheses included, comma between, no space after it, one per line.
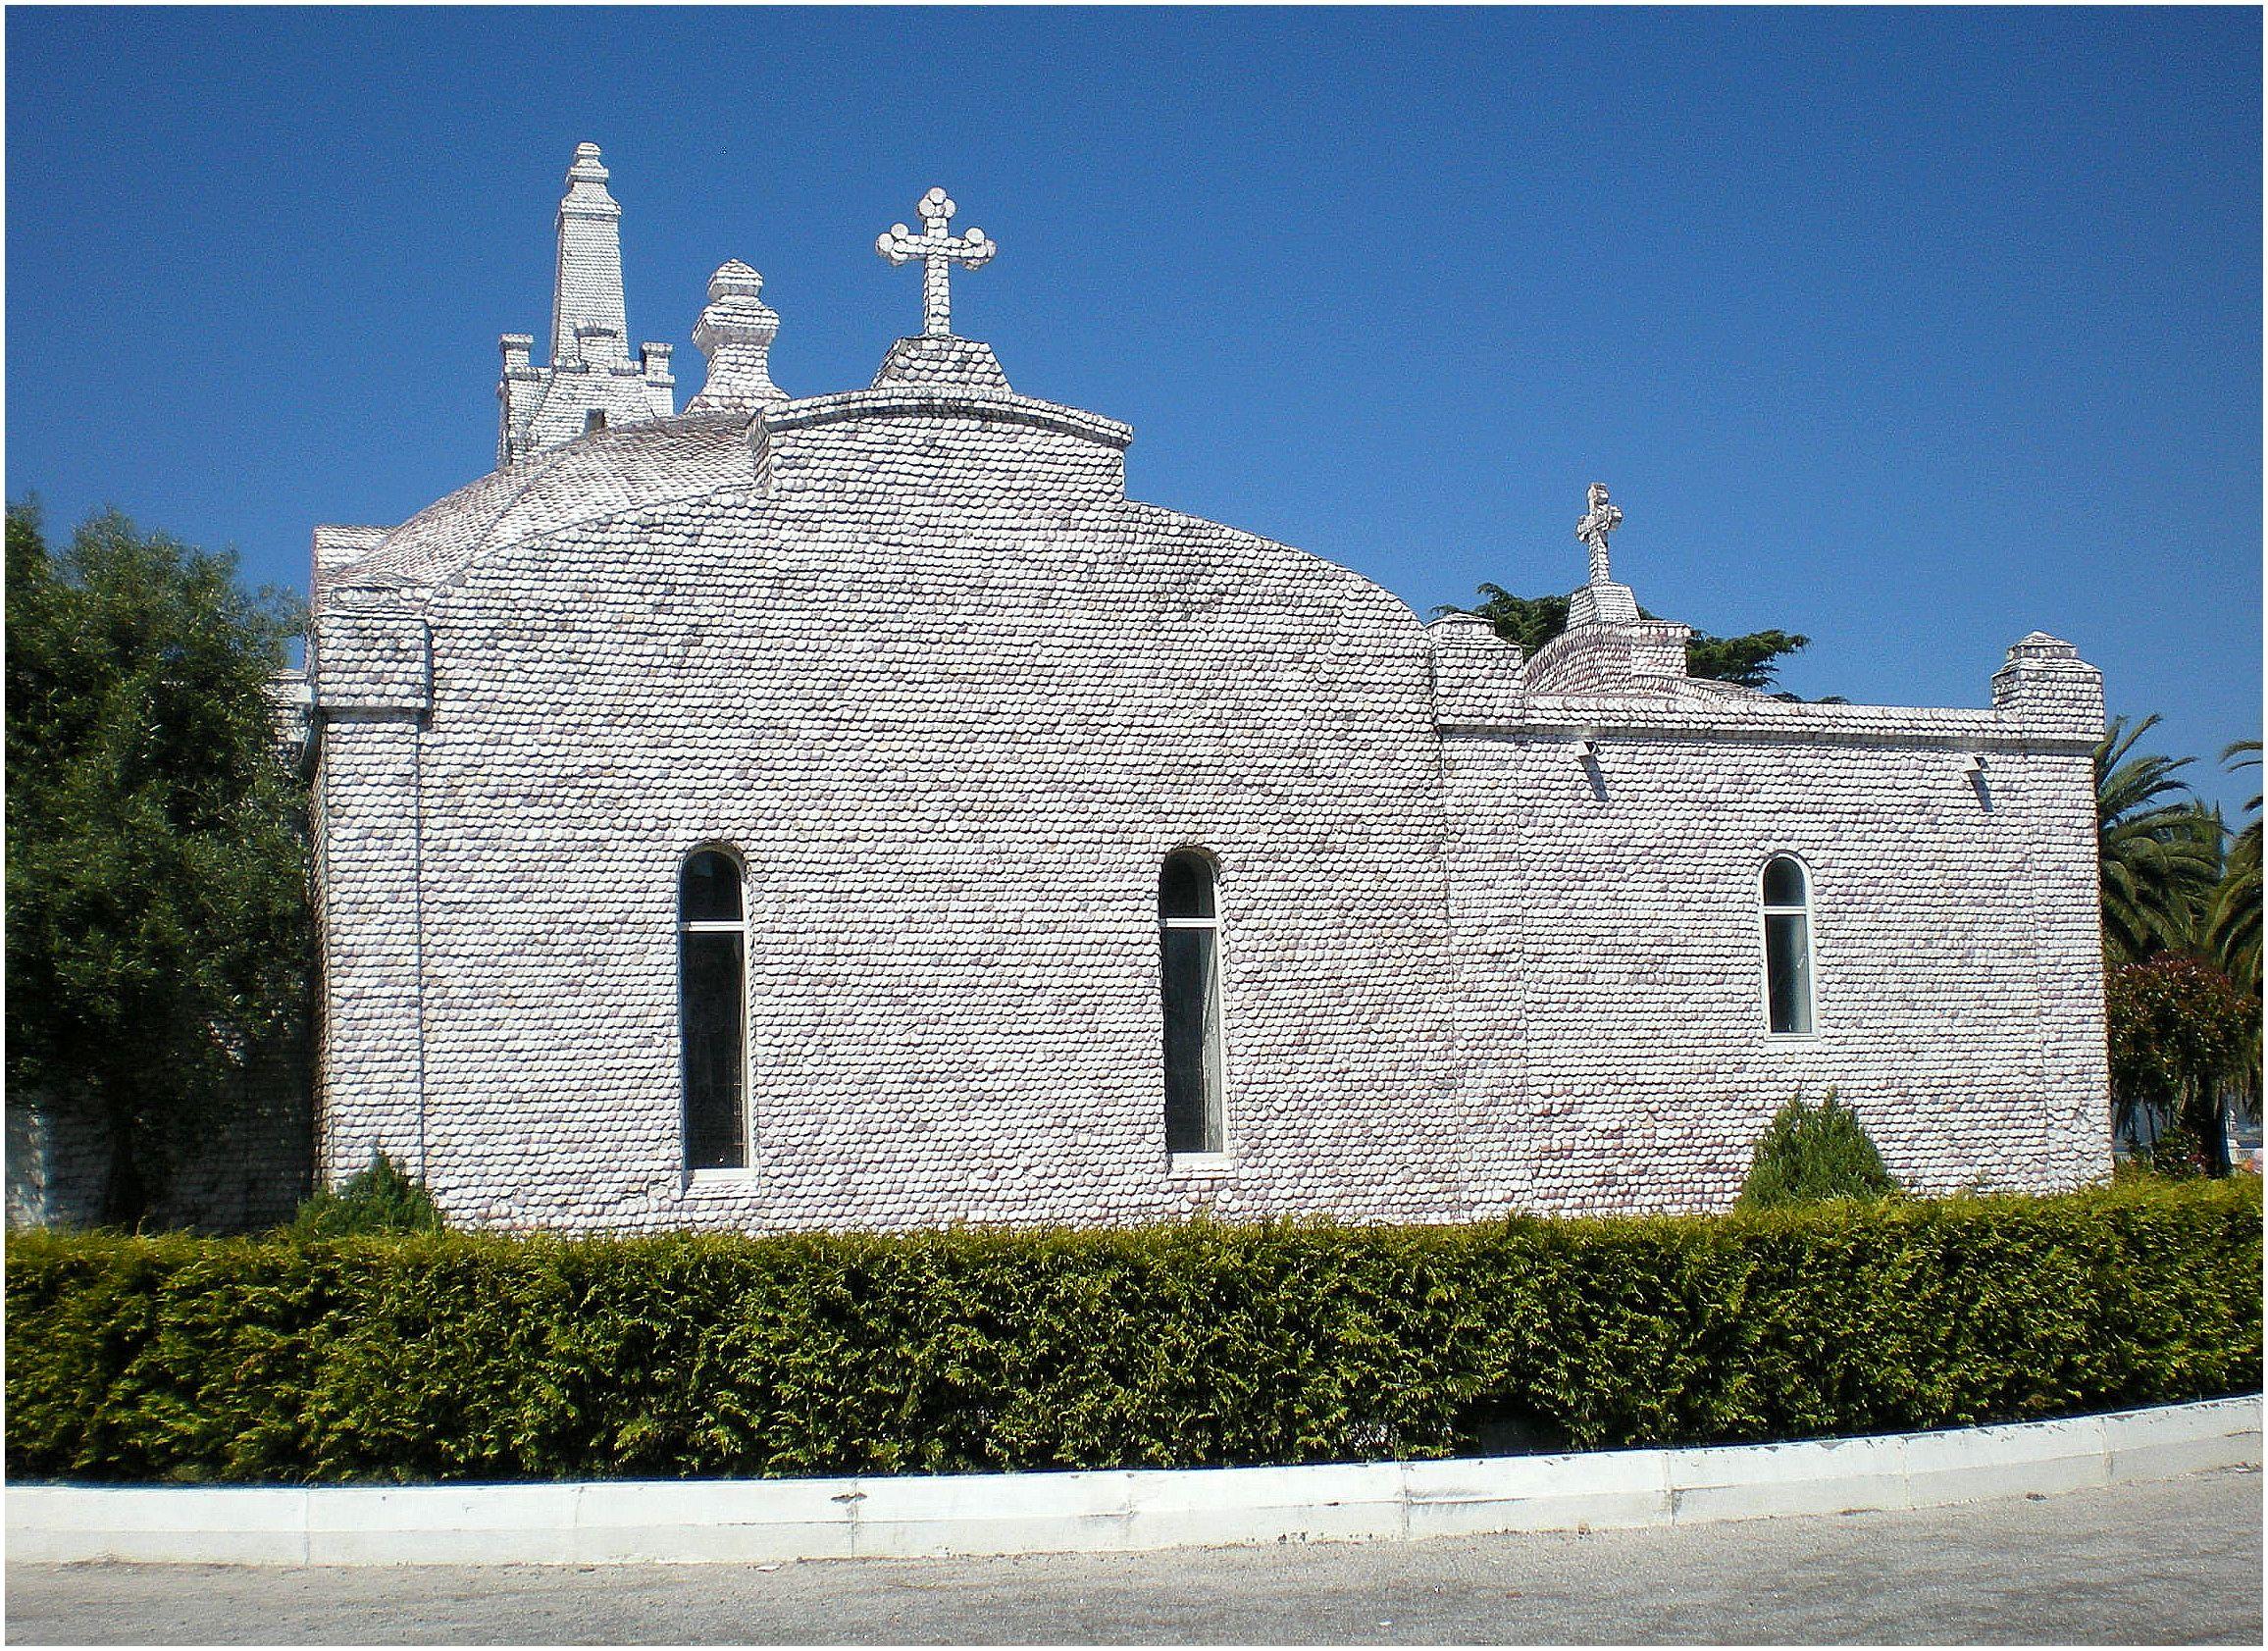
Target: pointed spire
(592,382)
(587,312)
(736,333)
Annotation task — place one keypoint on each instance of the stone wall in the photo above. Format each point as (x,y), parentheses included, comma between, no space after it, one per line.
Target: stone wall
(58,1165)
(1610,915)
(952,737)
(910,654)
(1606,883)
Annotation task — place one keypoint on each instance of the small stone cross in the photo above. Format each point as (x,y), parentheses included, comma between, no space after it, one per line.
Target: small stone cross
(937,248)
(1603,519)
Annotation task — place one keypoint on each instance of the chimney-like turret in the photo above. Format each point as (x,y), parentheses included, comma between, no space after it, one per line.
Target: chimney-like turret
(590,382)
(736,333)
(587,291)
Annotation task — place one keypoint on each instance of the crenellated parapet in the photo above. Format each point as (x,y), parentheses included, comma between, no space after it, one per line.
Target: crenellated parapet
(1613,669)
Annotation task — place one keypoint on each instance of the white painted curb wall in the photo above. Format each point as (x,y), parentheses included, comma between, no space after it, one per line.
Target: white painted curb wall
(778,1520)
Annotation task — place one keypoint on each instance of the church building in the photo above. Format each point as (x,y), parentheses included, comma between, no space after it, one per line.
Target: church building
(852,810)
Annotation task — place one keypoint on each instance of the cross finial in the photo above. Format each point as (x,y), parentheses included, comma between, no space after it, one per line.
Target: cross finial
(1602,519)
(938,248)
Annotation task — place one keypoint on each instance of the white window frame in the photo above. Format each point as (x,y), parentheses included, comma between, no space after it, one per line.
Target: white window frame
(1809,913)
(715,1176)
(1203,1164)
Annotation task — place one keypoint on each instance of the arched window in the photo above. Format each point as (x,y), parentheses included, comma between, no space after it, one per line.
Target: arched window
(711,1000)
(1787,947)
(1188,958)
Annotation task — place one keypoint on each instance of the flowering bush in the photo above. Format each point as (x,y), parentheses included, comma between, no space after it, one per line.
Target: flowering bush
(2178,1031)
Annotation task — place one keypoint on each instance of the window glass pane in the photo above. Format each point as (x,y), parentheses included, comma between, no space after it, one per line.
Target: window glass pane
(708,890)
(1185,887)
(710,1014)
(1192,981)
(1783,882)
(1215,1139)
(1787,970)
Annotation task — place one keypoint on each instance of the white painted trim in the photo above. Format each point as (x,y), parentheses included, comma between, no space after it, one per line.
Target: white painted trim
(751,1520)
(1216,926)
(718,1180)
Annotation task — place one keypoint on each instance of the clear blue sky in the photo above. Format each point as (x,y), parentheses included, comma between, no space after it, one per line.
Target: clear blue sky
(1913,330)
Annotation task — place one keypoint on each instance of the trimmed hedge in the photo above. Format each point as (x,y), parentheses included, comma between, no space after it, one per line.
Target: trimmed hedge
(468,1356)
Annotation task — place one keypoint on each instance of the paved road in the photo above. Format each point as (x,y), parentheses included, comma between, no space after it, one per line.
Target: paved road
(2176,1561)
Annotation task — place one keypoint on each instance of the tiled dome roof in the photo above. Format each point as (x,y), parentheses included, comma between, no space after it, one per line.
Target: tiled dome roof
(602,474)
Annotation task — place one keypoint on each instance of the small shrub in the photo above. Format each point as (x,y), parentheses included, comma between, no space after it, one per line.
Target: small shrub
(2178,1154)
(1810,1154)
(377,1198)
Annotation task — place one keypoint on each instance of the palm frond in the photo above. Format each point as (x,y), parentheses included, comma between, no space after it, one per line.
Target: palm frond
(2161,851)
(2233,922)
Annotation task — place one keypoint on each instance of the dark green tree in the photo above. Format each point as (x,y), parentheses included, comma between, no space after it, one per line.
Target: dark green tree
(1752,660)
(376,1199)
(2232,933)
(1530,621)
(159,940)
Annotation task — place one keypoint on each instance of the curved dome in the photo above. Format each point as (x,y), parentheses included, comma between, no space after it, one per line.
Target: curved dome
(600,474)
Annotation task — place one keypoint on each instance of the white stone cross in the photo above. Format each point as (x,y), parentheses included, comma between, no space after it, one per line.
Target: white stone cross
(937,248)
(1603,519)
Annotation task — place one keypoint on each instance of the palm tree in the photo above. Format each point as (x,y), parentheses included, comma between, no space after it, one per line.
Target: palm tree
(2161,852)
(2233,924)
(2233,931)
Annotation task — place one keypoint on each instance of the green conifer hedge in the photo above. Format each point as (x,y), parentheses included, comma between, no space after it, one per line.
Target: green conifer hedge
(468,1356)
